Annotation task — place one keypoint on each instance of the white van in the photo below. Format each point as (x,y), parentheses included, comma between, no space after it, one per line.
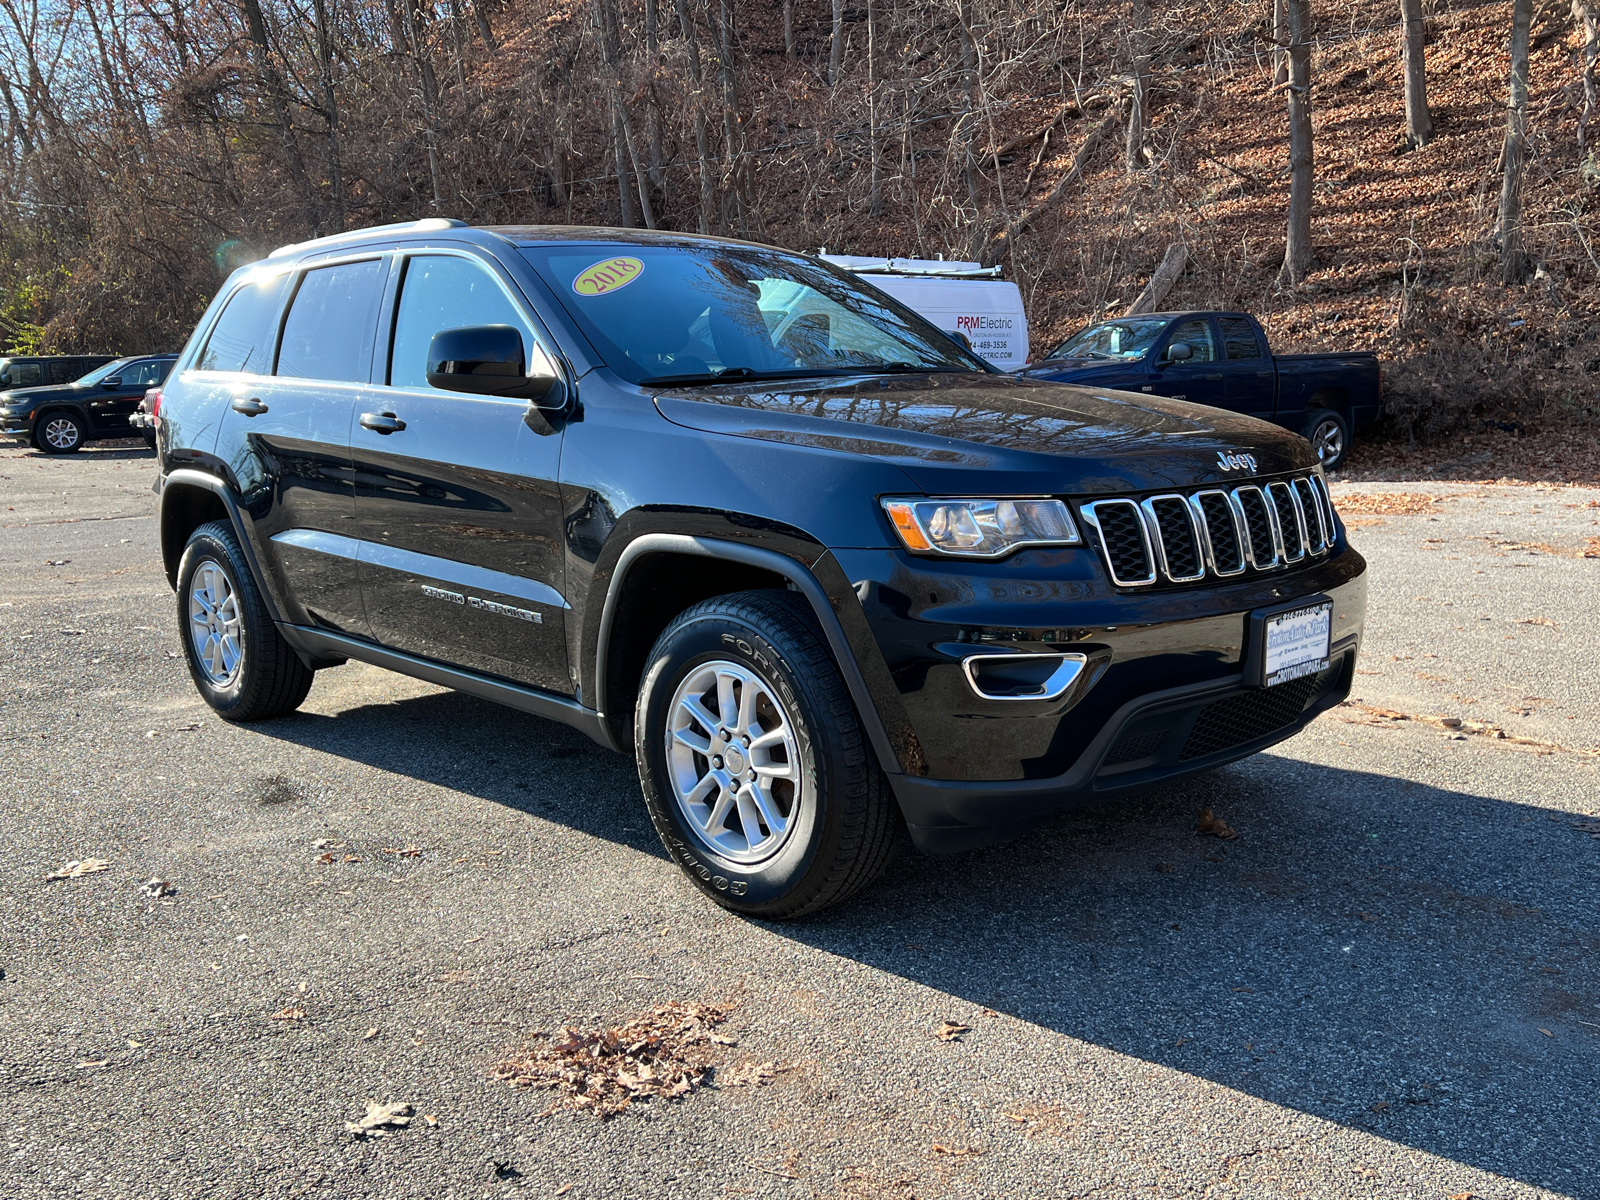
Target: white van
(961,297)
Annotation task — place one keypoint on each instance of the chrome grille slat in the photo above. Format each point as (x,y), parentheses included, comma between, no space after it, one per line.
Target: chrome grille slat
(1180,538)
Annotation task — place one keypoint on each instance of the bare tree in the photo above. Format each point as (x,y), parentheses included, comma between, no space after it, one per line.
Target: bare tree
(701,136)
(1134,156)
(1302,163)
(1508,224)
(1280,38)
(1586,17)
(836,44)
(788,28)
(1419,122)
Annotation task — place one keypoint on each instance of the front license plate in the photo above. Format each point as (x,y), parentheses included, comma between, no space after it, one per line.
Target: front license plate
(1295,643)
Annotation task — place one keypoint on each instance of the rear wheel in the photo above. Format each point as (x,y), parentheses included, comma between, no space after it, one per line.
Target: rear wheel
(61,433)
(754,765)
(1329,435)
(240,665)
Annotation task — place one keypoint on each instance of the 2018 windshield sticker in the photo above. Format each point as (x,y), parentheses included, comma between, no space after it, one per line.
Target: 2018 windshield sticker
(607,276)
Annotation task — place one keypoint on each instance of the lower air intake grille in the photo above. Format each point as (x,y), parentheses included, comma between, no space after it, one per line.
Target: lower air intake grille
(1247,716)
(1139,745)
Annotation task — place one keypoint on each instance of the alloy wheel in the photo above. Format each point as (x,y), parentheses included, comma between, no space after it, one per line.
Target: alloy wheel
(61,433)
(214,628)
(734,761)
(1327,439)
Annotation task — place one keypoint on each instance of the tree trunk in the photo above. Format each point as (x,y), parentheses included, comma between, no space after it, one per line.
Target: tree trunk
(875,198)
(788,28)
(1280,33)
(1585,17)
(1134,156)
(278,99)
(701,136)
(836,44)
(999,245)
(1302,164)
(482,21)
(968,124)
(330,111)
(1419,122)
(1513,258)
(1172,265)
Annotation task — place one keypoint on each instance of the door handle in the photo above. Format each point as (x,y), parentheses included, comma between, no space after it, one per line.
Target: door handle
(249,408)
(382,422)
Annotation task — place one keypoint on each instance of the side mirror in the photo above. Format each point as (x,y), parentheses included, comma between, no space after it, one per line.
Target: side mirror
(488,360)
(1179,352)
(114,382)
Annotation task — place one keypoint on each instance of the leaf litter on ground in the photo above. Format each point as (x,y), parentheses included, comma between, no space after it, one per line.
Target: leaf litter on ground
(379,1116)
(951,1031)
(665,1053)
(1215,826)
(77,869)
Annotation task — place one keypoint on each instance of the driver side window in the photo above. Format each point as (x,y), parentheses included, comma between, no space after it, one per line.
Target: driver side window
(442,292)
(1197,333)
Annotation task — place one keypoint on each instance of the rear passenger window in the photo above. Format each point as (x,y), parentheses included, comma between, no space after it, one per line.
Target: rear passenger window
(242,339)
(1239,337)
(328,332)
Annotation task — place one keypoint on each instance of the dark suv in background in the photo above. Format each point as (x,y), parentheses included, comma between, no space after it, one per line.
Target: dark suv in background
(40,370)
(725,508)
(60,419)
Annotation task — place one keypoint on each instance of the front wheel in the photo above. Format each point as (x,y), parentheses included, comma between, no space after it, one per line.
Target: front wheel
(754,765)
(1329,435)
(242,668)
(61,433)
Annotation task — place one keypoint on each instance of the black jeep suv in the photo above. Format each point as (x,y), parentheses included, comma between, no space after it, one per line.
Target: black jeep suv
(733,511)
(60,419)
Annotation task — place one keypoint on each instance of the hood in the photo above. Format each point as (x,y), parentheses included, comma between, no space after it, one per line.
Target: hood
(957,433)
(22,397)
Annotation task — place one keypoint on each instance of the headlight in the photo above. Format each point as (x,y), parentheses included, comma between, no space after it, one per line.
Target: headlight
(981,528)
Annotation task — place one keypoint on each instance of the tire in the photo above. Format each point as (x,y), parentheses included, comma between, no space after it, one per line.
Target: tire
(842,823)
(1329,435)
(60,432)
(149,437)
(242,668)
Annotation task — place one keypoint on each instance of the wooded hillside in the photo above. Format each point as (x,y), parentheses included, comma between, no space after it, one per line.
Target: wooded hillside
(152,145)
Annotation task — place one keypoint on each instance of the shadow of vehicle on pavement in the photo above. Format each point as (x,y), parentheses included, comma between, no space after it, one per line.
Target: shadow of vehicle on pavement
(1419,963)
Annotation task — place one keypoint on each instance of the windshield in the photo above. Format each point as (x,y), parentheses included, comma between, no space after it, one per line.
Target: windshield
(686,314)
(99,373)
(1112,339)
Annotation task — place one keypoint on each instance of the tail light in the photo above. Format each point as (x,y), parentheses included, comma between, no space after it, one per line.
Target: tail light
(152,400)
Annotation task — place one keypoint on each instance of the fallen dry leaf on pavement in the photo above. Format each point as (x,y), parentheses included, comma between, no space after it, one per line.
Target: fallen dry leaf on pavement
(951,1031)
(941,1148)
(1544,1031)
(370,1034)
(1388,504)
(563,1189)
(76,869)
(663,1053)
(349,858)
(408,852)
(288,1014)
(325,858)
(380,1115)
(433,1121)
(750,1074)
(99,1062)
(1215,826)
(158,888)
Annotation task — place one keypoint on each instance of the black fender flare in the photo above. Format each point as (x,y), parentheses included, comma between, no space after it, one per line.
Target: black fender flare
(189,477)
(770,560)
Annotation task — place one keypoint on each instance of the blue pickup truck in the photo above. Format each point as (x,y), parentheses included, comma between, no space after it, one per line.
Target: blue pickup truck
(1222,359)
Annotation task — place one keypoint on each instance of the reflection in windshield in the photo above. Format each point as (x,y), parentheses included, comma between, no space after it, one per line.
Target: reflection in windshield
(687,314)
(99,373)
(1112,339)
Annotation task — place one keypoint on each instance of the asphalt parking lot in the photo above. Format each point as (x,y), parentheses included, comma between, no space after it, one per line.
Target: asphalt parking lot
(1387,985)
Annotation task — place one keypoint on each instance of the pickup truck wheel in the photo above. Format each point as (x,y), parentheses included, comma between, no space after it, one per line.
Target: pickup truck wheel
(753,763)
(243,669)
(1329,435)
(60,433)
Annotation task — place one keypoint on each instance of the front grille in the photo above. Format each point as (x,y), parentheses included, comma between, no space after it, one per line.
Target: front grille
(1173,538)
(1123,540)
(1236,720)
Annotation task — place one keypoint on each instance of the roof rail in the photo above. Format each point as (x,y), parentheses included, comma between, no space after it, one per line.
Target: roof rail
(422,226)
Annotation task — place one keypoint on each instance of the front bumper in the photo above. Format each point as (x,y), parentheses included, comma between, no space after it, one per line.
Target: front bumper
(1163,694)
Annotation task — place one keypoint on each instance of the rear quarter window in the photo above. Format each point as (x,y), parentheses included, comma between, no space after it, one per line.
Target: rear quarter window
(242,338)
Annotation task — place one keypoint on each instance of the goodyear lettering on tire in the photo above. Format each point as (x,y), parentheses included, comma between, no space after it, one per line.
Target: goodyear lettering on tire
(608,275)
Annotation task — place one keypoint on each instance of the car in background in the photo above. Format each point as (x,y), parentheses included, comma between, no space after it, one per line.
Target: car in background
(1222,359)
(35,370)
(60,419)
(147,416)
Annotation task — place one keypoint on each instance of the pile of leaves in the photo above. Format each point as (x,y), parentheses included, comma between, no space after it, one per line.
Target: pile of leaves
(664,1053)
